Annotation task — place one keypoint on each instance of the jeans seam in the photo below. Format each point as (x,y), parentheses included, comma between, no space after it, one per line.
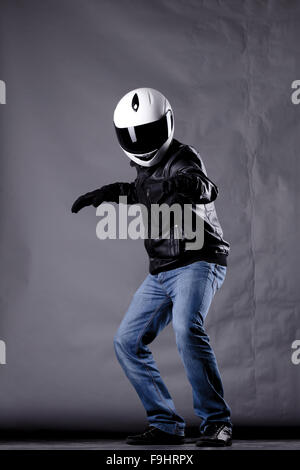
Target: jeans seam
(157,389)
(164,289)
(147,324)
(202,300)
(145,365)
(215,283)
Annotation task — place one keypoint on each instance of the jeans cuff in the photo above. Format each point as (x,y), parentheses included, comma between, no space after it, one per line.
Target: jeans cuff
(177,429)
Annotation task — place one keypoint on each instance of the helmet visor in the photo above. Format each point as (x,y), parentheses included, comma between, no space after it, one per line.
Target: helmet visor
(144,138)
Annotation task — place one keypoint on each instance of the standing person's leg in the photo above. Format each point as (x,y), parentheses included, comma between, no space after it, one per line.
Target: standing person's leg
(149,312)
(192,289)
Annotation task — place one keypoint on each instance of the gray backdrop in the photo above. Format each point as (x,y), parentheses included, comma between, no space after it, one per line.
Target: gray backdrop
(227,68)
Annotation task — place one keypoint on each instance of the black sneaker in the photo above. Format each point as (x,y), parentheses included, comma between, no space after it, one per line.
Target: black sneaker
(216,435)
(153,435)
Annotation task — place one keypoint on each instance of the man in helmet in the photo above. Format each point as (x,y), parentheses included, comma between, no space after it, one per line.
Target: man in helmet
(181,283)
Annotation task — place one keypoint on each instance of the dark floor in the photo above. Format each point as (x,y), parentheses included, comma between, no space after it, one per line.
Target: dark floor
(244,438)
(118,444)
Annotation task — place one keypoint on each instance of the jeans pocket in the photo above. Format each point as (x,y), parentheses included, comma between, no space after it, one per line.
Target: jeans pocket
(219,273)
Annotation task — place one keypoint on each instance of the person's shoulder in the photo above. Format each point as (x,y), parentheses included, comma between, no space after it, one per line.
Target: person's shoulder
(188,156)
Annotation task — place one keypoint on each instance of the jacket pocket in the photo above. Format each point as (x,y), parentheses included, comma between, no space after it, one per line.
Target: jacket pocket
(171,247)
(176,241)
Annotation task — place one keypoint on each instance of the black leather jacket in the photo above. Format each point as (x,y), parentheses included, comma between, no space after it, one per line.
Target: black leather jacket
(149,188)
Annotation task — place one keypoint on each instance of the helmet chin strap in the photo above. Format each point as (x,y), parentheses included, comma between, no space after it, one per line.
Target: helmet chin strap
(158,154)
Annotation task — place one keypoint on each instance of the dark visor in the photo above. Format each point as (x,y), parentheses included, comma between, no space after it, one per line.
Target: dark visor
(144,138)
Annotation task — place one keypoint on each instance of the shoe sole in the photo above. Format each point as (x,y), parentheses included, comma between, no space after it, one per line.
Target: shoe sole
(213,444)
(166,443)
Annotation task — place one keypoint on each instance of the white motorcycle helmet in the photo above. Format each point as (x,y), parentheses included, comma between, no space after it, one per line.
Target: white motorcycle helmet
(144,124)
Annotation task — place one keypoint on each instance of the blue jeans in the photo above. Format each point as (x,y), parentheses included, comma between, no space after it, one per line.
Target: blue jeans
(182,295)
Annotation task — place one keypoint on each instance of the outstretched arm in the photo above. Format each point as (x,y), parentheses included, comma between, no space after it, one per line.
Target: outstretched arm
(108,193)
(195,185)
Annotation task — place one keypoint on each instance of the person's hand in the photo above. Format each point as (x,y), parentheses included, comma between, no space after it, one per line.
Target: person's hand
(93,198)
(179,184)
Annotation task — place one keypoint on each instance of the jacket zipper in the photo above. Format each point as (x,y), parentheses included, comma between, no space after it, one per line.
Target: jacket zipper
(176,237)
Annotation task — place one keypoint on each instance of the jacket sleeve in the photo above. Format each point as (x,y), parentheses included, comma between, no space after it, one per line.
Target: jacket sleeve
(113,191)
(193,183)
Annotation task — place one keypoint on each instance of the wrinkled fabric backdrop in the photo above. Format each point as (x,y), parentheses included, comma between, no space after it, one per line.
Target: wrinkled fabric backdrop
(227,68)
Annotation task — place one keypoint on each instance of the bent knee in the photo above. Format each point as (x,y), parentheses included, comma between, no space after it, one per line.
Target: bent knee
(123,342)
(190,332)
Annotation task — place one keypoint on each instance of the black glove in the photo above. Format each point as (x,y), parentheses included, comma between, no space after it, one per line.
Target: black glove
(108,193)
(182,184)
(194,186)
(93,198)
